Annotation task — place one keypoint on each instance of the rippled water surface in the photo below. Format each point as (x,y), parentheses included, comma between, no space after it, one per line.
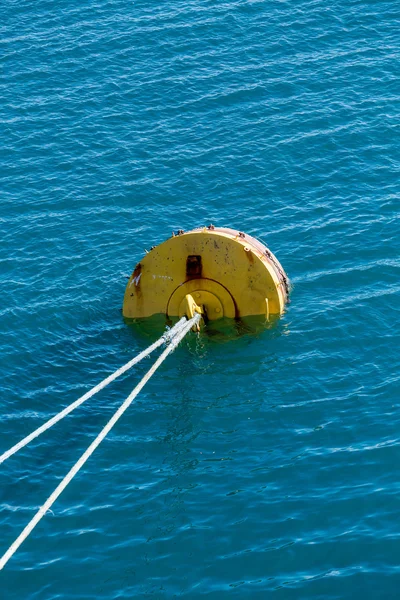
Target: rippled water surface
(263,467)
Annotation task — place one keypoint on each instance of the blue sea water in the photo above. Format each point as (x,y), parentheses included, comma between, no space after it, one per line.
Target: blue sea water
(266,466)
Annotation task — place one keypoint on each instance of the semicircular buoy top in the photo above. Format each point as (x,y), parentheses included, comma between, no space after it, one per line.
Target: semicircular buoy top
(216,271)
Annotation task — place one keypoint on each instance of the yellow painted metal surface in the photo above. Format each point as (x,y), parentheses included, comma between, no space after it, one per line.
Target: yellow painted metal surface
(188,308)
(227,274)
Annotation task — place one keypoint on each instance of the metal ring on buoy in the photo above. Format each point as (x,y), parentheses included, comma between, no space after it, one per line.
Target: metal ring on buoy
(218,272)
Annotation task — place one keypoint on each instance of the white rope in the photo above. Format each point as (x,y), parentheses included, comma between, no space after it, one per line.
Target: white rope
(166,337)
(78,465)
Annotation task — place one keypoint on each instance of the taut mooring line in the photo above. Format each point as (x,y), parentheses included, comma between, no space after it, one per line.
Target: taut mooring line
(164,338)
(79,464)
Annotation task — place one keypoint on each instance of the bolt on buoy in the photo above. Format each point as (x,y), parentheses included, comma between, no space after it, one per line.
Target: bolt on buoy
(214,271)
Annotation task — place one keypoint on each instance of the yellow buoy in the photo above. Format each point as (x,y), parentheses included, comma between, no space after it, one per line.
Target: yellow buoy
(218,272)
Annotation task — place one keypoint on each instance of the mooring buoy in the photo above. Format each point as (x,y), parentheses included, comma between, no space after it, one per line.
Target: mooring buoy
(202,275)
(215,271)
